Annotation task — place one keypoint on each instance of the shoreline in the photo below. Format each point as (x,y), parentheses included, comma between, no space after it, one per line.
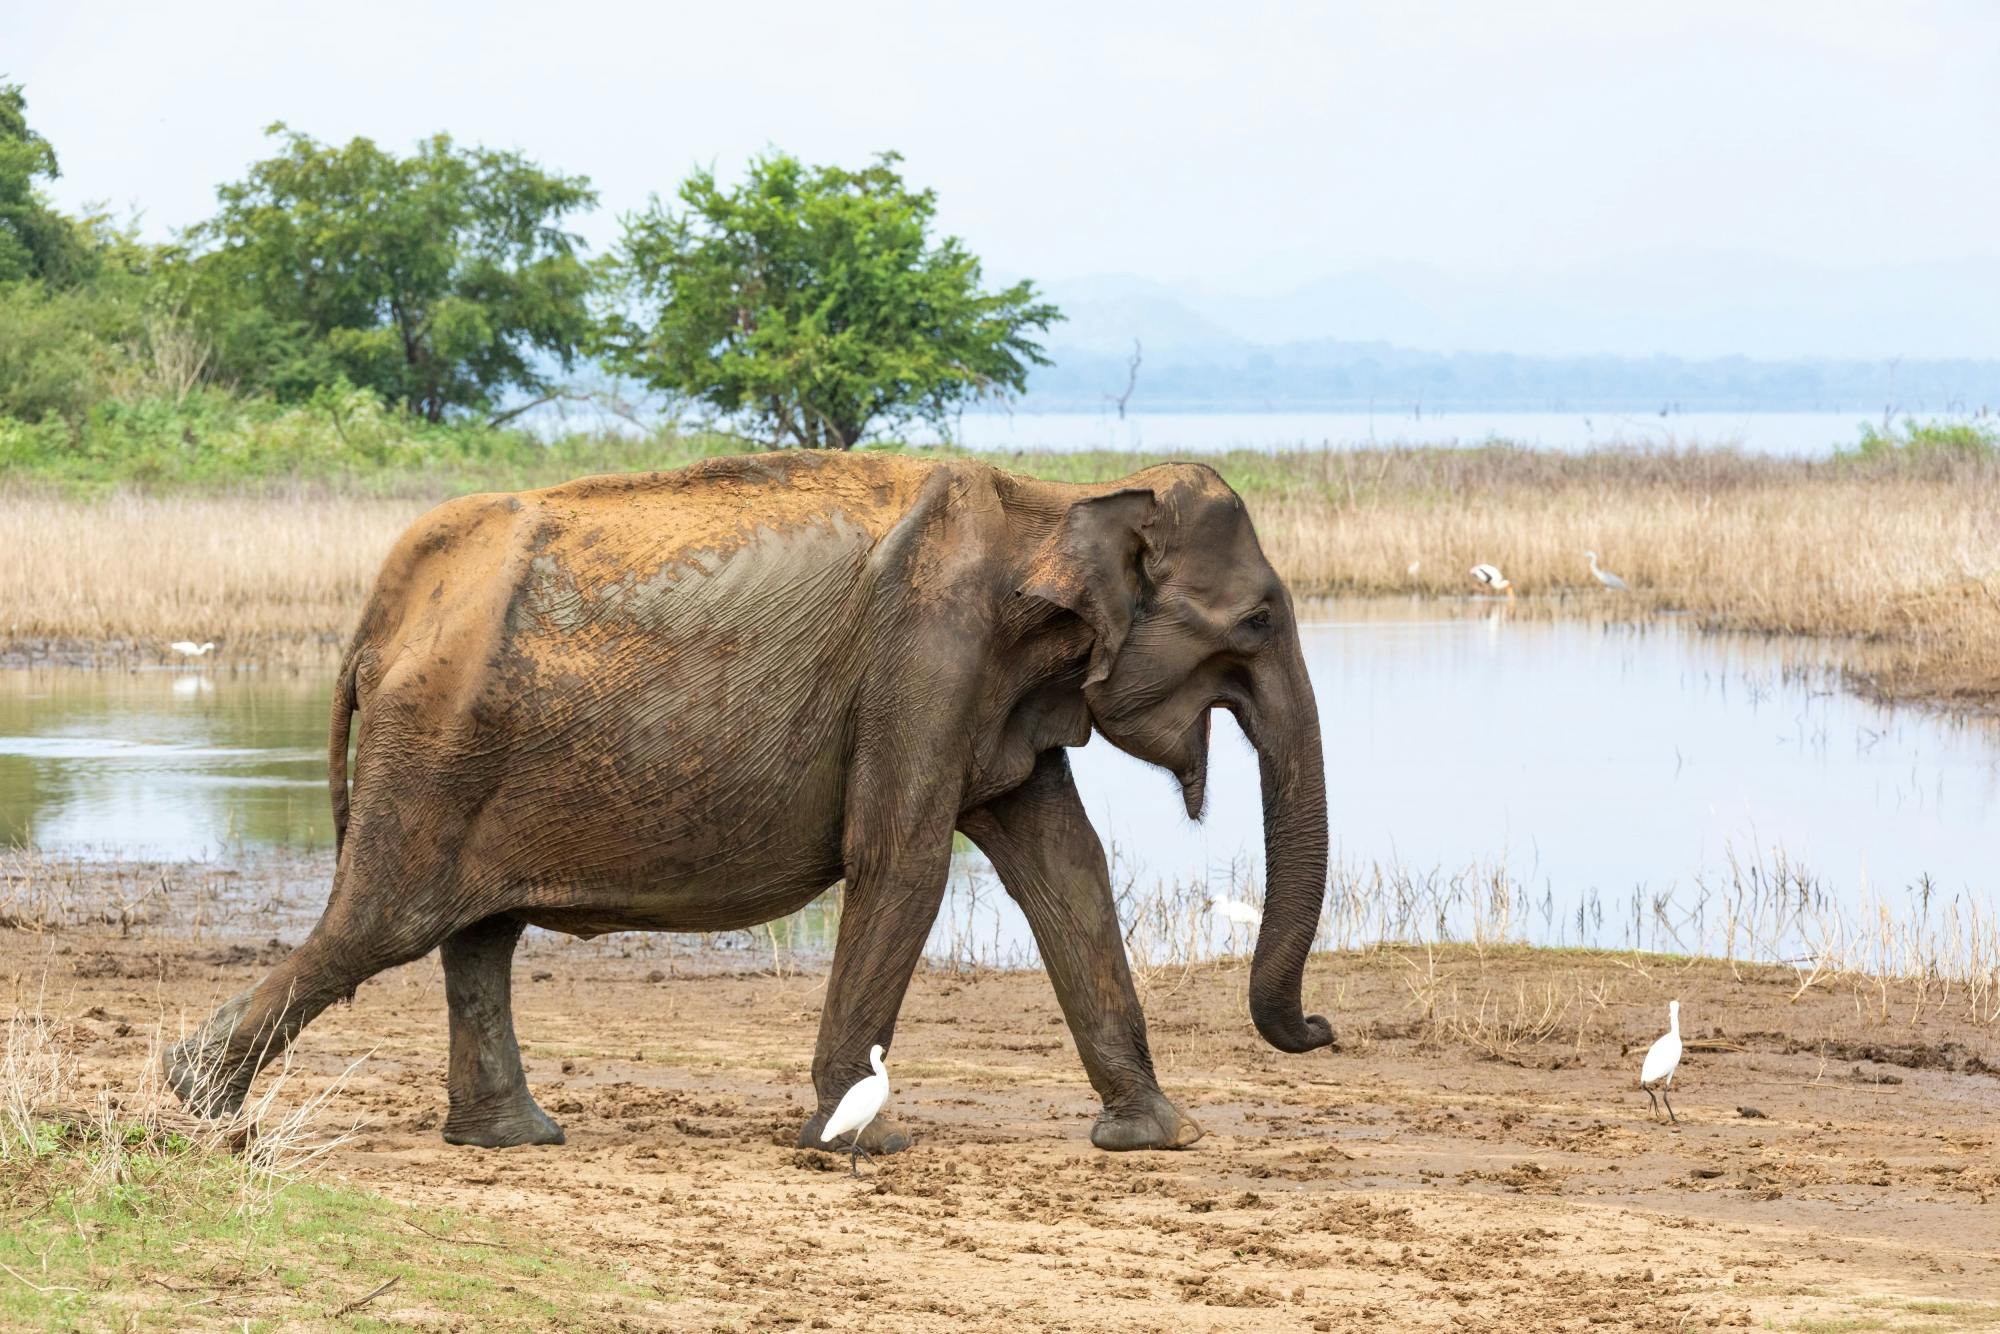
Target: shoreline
(1869,669)
(1895,560)
(1939,957)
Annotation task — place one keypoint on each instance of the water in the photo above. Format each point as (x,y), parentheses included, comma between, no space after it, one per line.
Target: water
(164,764)
(1793,434)
(1575,761)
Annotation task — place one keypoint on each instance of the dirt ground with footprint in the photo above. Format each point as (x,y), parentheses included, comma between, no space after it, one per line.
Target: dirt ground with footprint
(1473,1155)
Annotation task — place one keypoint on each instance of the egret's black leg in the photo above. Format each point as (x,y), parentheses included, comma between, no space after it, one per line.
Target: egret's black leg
(1670,1102)
(1653,1103)
(856,1153)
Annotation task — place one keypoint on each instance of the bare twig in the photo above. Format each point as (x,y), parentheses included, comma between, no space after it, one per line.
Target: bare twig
(53,1287)
(1131,380)
(452,1241)
(360,1302)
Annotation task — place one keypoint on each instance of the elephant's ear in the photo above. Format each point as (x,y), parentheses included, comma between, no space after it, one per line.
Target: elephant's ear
(1090,565)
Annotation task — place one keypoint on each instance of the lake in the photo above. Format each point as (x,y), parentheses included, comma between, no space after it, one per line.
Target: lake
(1585,769)
(1794,434)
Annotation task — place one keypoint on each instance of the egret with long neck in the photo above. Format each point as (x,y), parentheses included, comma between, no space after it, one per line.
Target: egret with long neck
(1662,1059)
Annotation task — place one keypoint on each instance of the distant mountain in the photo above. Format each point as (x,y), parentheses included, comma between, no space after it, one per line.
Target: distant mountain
(1408,338)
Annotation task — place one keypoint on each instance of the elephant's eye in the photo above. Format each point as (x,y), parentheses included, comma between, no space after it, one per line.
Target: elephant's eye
(1252,630)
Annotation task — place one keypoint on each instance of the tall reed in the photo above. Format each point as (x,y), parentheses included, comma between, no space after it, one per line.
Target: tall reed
(1901,551)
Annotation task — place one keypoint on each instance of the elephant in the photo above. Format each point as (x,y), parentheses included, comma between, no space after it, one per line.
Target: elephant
(694,700)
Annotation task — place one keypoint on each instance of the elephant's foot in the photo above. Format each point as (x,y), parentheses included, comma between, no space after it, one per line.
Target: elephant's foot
(1146,1122)
(501,1123)
(196,1068)
(883,1135)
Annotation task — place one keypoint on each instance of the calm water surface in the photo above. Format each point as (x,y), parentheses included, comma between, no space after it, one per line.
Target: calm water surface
(1570,758)
(1793,434)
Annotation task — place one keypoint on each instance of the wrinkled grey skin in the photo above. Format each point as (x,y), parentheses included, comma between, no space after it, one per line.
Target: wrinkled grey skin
(692,701)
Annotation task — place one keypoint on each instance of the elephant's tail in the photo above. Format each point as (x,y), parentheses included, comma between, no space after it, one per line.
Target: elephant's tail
(344,699)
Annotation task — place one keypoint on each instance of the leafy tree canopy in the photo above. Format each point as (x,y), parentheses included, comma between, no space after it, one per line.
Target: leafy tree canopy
(436,280)
(36,241)
(814,302)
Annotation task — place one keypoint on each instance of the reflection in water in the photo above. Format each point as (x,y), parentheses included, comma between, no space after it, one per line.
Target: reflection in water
(1579,770)
(1588,756)
(164,764)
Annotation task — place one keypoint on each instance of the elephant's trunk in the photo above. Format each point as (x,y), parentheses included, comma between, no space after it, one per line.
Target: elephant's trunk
(1295,848)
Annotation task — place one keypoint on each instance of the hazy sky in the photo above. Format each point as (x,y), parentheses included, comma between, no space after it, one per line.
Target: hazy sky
(1232,146)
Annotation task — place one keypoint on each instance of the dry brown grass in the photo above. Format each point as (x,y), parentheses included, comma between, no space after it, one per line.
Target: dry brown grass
(1902,553)
(262,575)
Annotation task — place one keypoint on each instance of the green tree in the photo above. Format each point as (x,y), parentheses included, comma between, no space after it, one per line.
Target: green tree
(438,280)
(813,302)
(36,241)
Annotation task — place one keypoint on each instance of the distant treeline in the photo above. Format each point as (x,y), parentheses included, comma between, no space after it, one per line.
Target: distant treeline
(809,305)
(1341,376)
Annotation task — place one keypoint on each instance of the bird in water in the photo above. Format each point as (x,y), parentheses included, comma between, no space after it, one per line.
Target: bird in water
(1490,576)
(1605,577)
(1662,1059)
(187,648)
(1415,566)
(859,1107)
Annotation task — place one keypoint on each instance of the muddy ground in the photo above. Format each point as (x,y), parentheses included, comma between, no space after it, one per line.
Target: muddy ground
(1473,1155)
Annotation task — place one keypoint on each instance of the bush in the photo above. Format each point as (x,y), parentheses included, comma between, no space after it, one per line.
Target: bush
(62,350)
(1932,439)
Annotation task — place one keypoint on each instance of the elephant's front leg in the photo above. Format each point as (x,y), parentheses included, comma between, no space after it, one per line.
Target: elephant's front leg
(1049,859)
(895,884)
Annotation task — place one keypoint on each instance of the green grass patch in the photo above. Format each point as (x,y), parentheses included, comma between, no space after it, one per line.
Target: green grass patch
(348,439)
(1902,1313)
(125,1226)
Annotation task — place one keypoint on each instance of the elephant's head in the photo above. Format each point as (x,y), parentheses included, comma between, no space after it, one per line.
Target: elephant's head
(1186,614)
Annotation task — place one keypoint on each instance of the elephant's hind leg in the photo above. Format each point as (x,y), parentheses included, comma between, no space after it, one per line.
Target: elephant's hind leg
(364,930)
(490,1103)
(211,1070)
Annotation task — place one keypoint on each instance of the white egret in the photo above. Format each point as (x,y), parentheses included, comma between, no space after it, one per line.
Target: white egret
(1605,577)
(1236,912)
(1415,565)
(1490,576)
(1662,1059)
(859,1106)
(187,648)
(1235,915)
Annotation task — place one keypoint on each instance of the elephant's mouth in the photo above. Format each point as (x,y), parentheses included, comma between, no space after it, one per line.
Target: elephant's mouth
(1193,773)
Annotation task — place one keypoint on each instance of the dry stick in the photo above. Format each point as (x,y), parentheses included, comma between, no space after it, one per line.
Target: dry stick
(452,1241)
(1823,1085)
(360,1302)
(53,1287)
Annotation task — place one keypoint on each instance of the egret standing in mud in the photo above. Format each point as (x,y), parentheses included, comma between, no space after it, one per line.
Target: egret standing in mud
(859,1106)
(187,648)
(1490,576)
(1662,1059)
(1605,577)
